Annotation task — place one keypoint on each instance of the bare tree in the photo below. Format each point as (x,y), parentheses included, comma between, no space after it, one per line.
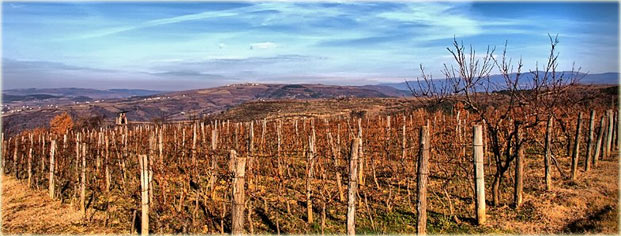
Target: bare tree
(509,103)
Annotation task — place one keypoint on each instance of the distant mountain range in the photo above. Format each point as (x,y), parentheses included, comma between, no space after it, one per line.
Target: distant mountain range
(42,93)
(602,78)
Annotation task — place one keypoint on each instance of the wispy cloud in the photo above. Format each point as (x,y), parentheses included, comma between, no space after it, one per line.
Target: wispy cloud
(213,42)
(152,23)
(263,45)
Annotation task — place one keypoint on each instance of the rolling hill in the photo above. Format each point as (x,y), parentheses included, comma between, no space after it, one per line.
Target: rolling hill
(182,105)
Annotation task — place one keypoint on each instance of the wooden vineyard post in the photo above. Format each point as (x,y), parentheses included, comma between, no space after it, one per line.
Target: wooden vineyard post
(310,159)
(360,154)
(77,163)
(51,179)
(613,117)
(238,169)
(589,153)
(251,139)
(159,144)
(423,173)
(214,138)
(250,163)
(609,133)
(547,154)
(107,163)
(144,186)
(2,153)
(519,171)
(279,146)
(263,129)
(598,144)
(479,177)
(352,187)
(604,126)
(83,181)
(617,139)
(15,166)
(574,156)
(403,140)
(194,139)
(30,162)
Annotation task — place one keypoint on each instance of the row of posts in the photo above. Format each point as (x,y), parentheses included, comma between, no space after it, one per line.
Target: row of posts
(237,168)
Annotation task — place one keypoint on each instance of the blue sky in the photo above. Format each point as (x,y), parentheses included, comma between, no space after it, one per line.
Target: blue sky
(174,46)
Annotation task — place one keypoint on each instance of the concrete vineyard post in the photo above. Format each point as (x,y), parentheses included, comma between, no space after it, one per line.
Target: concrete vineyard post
(423,173)
(51,179)
(479,177)
(589,153)
(144,187)
(574,156)
(547,154)
(238,169)
(352,187)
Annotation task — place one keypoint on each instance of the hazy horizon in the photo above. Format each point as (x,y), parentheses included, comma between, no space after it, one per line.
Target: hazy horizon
(191,45)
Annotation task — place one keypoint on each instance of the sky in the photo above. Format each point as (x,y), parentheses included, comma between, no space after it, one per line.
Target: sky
(187,45)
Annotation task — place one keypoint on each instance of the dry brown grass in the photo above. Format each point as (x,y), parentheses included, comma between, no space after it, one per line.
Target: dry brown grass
(33,212)
(587,205)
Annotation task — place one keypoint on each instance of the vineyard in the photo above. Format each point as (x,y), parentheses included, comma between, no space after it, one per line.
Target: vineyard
(297,178)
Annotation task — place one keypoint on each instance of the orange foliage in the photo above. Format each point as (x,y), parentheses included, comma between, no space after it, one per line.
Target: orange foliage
(60,124)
